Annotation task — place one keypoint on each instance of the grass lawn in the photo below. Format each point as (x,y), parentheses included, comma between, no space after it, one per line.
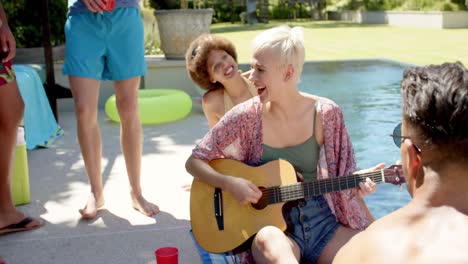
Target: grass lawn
(340,40)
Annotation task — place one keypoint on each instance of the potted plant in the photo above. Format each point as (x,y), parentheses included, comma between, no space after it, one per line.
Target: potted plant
(178,25)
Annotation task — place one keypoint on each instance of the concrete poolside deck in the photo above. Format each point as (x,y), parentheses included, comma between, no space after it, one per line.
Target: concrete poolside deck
(119,234)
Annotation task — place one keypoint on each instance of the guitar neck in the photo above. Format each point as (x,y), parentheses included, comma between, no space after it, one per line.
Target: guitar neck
(301,190)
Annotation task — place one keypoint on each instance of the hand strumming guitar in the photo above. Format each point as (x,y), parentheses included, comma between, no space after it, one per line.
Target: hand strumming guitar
(244,191)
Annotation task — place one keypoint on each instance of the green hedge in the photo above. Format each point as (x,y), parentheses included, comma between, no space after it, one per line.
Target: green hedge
(24,19)
(284,10)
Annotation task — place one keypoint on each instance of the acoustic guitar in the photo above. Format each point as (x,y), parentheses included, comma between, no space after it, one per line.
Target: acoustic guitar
(221,224)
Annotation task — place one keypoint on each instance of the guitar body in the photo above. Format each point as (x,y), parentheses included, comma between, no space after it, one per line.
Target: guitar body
(240,221)
(221,224)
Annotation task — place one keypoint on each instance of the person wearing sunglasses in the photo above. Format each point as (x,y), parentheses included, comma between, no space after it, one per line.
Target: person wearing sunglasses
(433,141)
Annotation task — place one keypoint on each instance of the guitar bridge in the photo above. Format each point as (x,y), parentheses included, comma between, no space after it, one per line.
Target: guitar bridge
(218,208)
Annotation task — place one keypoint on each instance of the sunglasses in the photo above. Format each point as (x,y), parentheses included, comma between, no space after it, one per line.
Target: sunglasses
(398,138)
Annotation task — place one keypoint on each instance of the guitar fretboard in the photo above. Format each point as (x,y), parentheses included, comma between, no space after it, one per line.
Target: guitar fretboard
(300,190)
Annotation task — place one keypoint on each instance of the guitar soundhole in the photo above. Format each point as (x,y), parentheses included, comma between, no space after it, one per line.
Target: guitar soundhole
(262,202)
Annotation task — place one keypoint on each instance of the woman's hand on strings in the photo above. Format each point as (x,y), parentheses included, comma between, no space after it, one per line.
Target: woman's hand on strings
(368,187)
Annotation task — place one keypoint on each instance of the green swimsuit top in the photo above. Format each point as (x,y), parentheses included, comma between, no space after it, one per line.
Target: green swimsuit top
(304,157)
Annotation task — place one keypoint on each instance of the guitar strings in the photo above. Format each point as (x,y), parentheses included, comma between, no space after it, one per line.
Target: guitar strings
(322,186)
(299,190)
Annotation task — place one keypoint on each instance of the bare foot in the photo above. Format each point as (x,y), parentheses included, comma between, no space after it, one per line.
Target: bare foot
(91,208)
(145,207)
(2,260)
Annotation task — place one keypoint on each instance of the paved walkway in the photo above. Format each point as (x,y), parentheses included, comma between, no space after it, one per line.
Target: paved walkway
(119,234)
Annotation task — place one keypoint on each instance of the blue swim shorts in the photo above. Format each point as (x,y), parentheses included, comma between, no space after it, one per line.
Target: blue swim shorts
(108,46)
(311,224)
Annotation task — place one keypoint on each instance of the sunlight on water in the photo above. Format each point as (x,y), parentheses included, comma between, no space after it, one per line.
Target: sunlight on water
(369,96)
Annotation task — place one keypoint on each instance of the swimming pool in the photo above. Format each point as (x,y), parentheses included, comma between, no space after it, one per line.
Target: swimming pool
(368,93)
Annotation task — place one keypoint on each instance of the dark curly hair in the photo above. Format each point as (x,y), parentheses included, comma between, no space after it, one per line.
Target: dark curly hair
(196,58)
(435,102)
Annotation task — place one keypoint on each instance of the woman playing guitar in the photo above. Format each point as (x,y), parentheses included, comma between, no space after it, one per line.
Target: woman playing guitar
(306,130)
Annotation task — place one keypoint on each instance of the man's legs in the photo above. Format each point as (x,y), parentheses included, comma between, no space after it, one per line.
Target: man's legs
(85,95)
(126,93)
(11,112)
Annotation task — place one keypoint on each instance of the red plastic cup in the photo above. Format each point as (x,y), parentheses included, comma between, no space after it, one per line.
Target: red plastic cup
(167,255)
(109,5)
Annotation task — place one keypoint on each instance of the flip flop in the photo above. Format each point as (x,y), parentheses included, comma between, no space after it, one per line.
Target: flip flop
(20,226)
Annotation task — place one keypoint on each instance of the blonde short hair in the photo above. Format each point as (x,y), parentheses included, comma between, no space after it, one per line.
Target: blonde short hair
(287,42)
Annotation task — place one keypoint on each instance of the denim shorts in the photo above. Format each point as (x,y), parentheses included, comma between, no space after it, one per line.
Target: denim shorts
(108,46)
(311,224)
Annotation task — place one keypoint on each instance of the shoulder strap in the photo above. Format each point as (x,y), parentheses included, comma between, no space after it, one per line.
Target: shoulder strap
(228,104)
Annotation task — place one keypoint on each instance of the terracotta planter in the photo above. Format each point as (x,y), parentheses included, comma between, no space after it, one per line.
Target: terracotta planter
(36,55)
(179,27)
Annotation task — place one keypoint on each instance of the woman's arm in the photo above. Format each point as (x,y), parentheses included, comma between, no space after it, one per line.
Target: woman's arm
(7,41)
(213,106)
(201,170)
(244,191)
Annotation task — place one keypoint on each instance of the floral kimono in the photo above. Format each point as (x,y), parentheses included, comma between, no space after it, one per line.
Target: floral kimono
(239,136)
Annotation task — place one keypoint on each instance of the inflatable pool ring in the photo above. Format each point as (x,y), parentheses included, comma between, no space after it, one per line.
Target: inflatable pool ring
(156,106)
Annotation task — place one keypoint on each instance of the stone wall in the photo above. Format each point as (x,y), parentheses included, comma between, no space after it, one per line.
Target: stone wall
(433,19)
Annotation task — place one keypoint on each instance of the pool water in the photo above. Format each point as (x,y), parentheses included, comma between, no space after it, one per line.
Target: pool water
(368,93)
